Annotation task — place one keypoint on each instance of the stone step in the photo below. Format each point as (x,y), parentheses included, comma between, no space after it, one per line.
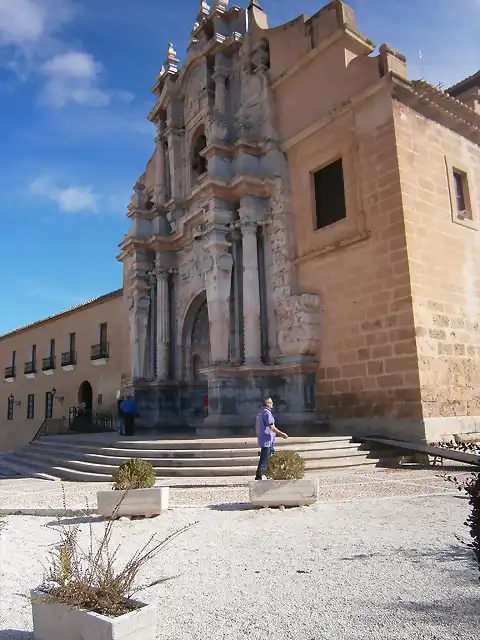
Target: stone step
(77,450)
(72,459)
(120,442)
(26,468)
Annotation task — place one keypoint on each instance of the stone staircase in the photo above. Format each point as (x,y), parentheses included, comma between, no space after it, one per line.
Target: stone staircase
(93,458)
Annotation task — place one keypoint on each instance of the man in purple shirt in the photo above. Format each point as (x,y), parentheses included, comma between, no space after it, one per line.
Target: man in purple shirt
(266,434)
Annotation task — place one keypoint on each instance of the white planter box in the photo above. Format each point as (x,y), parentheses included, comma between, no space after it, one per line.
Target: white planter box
(136,502)
(286,493)
(60,622)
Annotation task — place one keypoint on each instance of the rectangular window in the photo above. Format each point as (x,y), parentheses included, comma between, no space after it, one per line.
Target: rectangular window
(71,342)
(34,356)
(103,334)
(329,189)
(11,401)
(48,404)
(14,357)
(52,349)
(460,185)
(30,406)
(99,398)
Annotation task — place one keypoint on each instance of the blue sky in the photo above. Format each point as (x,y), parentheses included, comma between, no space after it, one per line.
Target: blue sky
(75,78)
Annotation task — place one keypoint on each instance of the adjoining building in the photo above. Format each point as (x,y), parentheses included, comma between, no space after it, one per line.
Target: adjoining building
(307,228)
(57,364)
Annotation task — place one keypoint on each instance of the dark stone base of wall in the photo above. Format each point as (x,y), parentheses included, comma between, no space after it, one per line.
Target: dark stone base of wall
(235,395)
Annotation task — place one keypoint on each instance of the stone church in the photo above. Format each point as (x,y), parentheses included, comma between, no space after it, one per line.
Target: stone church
(288,235)
(214,302)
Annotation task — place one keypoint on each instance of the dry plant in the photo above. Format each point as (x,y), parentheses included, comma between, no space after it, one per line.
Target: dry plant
(89,578)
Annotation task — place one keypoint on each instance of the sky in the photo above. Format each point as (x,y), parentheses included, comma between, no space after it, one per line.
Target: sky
(75,79)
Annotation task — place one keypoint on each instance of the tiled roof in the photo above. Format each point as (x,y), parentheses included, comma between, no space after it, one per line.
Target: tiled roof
(465,84)
(79,307)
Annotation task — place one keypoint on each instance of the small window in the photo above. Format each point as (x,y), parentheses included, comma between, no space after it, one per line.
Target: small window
(461,193)
(329,195)
(11,401)
(199,163)
(30,406)
(103,334)
(99,398)
(48,404)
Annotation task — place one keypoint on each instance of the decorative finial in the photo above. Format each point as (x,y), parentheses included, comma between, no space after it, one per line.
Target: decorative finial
(204,8)
(220,5)
(171,61)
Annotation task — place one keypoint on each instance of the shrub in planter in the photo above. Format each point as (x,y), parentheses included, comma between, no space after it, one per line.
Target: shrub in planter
(87,596)
(134,493)
(134,474)
(285,465)
(286,485)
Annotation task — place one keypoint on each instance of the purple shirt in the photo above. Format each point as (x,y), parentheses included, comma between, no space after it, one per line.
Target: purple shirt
(265,436)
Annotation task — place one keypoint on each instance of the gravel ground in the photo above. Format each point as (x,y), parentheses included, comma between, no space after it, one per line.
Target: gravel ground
(369,562)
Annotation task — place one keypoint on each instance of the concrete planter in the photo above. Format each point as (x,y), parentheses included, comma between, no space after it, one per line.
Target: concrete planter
(60,622)
(286,493)
(136,502)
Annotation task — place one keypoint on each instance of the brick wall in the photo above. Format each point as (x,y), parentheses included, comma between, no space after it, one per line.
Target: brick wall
(368,373)
(444,259)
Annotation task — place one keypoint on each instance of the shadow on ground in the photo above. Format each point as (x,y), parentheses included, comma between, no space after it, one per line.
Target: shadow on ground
(233,506)
(15,634)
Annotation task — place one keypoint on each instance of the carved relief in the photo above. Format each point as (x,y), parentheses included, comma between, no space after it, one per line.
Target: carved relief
(203,261)
(225,262)
(299,324)
(141,197)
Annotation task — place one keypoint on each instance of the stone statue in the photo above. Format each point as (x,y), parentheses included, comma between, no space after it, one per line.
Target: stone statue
(140,196)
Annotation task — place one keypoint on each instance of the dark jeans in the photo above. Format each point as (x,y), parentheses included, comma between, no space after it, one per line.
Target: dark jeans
(265,453)
(129,429)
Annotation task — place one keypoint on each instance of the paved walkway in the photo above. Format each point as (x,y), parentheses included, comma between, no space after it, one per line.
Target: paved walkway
(43,497)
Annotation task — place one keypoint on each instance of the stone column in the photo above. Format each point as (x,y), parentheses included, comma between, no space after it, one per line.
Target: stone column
(163,313)
(160,176)
(139,308)
(251,294)
(175,160)
(218,277)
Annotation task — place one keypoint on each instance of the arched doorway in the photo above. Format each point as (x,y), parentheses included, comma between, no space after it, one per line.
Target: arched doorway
(85,396)
(195,357)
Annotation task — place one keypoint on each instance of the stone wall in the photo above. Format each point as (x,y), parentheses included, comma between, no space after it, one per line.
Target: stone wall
(445,270)
(368,377)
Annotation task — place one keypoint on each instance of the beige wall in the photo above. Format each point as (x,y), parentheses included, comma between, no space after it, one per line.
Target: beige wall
(445,268)
(359,266)
(105,379)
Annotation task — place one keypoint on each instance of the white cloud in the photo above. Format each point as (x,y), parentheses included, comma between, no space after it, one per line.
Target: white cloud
(71,199)
(73,76)
(21,21)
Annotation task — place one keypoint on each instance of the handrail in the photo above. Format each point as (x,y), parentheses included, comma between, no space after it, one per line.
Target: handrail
(43,426)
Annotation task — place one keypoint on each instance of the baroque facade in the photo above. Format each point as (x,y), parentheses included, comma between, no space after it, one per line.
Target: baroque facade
(209,260)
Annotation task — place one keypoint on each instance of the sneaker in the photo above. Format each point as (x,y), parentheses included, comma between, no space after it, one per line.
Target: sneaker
(264,477)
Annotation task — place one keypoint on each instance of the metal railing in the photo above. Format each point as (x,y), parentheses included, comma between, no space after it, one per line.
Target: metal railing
(99,351)
(10,372)
(30,367)
(69,358)
(48,363)
(41,432)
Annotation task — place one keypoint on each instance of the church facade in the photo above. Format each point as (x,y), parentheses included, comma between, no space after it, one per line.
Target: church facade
(279,235)
(214,304)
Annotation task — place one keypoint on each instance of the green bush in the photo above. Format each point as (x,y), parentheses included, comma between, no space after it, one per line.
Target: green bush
(285,465)
(134,474)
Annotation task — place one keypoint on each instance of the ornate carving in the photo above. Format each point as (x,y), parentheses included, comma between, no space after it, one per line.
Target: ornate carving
(161,273)
(299,324)
(261,56)
(225,262)
(203,261)
(220,5)
(216,129)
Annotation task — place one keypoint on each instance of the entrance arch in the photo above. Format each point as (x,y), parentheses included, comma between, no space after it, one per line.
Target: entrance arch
(196,339)
(85,395)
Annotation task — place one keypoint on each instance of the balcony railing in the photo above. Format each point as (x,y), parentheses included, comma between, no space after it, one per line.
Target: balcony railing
(48,363)
(10,372)
(99,351)
(69,358)
(30,367)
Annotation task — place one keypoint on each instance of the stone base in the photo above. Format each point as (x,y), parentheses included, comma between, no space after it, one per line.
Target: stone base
(283,493)
(136,502)
(235,395)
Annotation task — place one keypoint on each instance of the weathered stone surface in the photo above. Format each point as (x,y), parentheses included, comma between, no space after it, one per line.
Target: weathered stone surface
(137,502)
(59,622)
(286,493)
